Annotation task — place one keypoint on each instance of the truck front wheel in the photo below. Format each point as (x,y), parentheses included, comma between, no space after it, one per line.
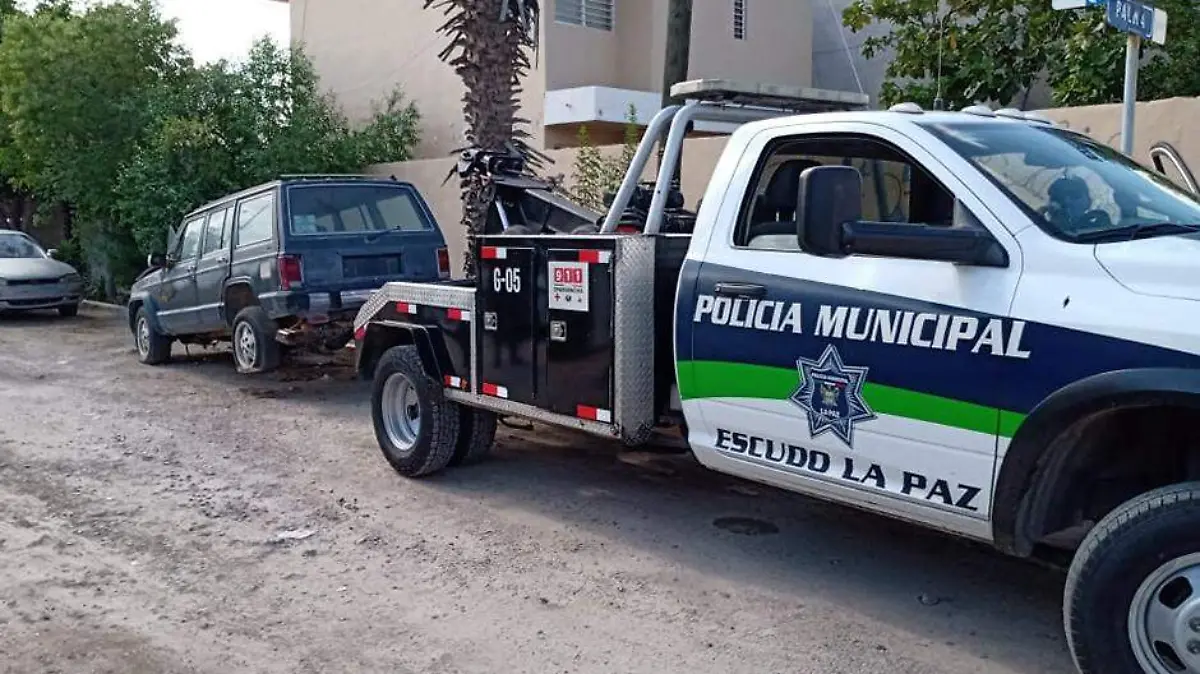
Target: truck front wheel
(1132,598)
(416,427)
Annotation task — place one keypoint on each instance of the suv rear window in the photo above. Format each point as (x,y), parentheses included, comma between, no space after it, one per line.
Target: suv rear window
(318,210)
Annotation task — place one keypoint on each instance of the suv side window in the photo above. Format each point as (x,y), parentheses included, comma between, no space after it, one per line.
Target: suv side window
(217,230)
(256,219)
(189,242)
(895,188)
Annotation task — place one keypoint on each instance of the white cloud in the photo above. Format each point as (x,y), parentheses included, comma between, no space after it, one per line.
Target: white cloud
(216,29)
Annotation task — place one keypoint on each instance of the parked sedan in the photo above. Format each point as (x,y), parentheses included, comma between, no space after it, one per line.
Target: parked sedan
(31,279)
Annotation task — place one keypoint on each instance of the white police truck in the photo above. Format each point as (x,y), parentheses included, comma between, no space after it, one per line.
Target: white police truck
(976,321)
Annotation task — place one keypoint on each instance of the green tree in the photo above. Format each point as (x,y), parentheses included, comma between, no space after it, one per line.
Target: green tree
(990,50)
(101,111)
(595,174)
(76,92)
(224,128)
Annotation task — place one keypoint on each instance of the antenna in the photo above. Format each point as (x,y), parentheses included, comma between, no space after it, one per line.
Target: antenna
(937,98)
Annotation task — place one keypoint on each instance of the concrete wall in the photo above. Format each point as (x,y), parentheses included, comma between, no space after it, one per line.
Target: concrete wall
(362,49)
(1167,120)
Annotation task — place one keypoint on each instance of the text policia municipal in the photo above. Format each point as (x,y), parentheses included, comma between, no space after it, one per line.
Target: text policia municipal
(887,326)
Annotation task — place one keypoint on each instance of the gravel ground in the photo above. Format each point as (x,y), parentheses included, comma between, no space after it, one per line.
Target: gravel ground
(140,510)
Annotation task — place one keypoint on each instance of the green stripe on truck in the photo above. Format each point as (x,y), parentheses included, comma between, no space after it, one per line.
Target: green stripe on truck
(718,379)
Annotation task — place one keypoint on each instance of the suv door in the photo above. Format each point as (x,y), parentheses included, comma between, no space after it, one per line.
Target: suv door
(213,268)
(864,379)
(177,311)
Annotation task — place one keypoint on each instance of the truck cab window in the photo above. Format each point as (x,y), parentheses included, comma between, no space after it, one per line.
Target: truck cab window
(895,189)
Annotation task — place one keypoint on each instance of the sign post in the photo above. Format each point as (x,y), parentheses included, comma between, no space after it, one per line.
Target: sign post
(1138,20)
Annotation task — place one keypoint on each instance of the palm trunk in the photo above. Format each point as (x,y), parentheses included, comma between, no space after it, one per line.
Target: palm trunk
(489,44)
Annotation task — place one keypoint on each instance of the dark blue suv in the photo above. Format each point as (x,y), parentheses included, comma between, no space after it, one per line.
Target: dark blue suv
(284,264)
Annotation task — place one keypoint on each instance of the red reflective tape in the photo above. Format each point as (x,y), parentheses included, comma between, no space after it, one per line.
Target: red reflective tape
(360,332)
(406,308)
(455,382)
(454,314)
(595,256)
(493,253)
(593,413)
(495,391)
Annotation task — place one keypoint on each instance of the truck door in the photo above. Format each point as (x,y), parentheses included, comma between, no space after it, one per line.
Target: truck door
(864,379)
(177,295)
(213,269)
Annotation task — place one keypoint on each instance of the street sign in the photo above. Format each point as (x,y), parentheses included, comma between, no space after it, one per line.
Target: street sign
(1137,18)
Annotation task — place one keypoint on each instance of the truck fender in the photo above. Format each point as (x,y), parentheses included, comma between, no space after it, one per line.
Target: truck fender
(245,299)
(379,336)
(1038,454)
(144,300)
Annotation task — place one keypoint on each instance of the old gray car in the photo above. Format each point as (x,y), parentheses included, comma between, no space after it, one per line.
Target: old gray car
(30,278)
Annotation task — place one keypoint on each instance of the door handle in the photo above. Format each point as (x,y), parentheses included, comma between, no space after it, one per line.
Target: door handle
(222,260)
(738,289)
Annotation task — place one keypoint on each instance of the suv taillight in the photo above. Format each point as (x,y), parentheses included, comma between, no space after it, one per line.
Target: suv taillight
(443,257)
(290,273)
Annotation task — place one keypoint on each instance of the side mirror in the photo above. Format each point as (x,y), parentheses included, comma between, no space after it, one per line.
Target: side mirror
(829,215)
(53,252)
(154,260)
(829,197)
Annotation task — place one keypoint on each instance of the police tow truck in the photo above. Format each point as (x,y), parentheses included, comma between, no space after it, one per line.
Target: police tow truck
(976,321)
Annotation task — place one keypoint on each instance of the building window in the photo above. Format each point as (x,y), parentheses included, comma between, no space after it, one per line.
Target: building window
(739,19)
(587,13)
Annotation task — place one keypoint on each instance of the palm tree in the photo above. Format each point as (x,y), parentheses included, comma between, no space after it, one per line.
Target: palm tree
(490,44)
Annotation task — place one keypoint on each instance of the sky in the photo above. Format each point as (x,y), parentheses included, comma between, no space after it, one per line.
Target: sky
(216,29)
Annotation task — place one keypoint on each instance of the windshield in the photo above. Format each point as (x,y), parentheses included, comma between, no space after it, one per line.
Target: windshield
(14,246)
(354,209)
(1075,188)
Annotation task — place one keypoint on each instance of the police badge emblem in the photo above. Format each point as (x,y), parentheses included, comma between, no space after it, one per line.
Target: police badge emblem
(830,393)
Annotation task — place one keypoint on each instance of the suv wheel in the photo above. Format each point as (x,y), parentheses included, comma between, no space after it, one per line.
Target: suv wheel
(254,347)
(153,347)
(1132,599)
(417,428)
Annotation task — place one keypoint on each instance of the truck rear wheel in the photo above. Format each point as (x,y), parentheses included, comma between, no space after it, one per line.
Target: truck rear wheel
(416,427)
(254,347)
(1132,599)
(476,435)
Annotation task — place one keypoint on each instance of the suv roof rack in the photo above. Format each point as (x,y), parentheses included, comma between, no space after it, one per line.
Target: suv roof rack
(771,96)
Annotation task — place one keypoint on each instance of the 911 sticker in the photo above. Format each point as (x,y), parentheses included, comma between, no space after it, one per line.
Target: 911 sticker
(569,286)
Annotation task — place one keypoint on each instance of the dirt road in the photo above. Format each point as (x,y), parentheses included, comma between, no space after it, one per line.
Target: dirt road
(140,508)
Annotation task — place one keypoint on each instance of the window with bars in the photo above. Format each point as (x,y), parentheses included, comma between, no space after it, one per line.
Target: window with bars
(739,19)
(588,13)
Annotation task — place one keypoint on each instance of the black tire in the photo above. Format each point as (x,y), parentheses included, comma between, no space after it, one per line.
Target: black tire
(435,439)
(476,435)
(261,355)
(1123,551)
(68,310)
(153,347)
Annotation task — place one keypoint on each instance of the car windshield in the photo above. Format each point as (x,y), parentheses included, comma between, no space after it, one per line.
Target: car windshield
(1074,187)
(16,246)
(352,209)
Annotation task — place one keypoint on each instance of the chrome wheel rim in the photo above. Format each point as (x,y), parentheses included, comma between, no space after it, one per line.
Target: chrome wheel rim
(1164,618)
(401,412)
(245,345)
(143,336)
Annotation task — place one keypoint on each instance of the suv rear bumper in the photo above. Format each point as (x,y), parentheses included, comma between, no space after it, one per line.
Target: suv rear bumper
(314,306)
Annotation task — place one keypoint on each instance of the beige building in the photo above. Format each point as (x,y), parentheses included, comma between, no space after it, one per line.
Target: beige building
(596,58)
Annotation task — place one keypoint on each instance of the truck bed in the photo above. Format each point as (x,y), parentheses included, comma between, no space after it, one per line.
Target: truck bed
(572,330)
